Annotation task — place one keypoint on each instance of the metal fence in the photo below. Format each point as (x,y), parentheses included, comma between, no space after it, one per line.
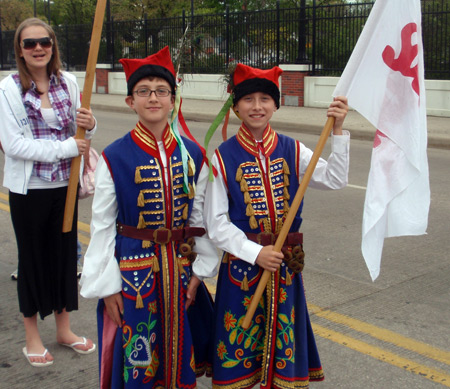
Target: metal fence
(320,35)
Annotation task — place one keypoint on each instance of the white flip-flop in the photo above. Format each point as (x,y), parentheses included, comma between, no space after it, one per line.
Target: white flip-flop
(83,343)
(36,364)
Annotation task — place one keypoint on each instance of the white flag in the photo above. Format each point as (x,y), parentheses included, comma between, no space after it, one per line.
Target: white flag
(384,82)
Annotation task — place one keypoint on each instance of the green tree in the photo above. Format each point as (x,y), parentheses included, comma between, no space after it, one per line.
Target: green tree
(13,12)
(73,11)
(139,9)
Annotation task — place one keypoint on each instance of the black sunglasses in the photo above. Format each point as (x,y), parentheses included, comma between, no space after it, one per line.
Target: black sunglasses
(29,44)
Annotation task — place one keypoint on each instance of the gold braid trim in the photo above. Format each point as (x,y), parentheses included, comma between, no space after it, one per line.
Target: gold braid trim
(191,194)
(185,211)
(181,268)
(141,223)
(139,302)
(244,189)
(146,244)
(140,200)
(279,225)
(191,167)
(247,199)
(225,258)
(286,168)
(288,278)
(244,284)
(137,175)
(253,223)
(244,185)
(316,374)
(155,264)
(132,264)
(245,383)
(267,225)
(239,174)
(249,211)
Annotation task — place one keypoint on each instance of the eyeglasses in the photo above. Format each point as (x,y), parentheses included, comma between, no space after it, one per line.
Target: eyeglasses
(30,44)
(146,92)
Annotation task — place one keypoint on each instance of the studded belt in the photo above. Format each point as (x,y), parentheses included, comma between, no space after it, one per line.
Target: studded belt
(268,238)
(292,249)
(160,235)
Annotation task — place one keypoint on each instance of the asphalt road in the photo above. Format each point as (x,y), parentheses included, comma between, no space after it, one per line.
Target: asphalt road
(391,333)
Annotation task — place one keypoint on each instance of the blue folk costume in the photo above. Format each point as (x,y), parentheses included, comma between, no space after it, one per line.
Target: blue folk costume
(160,344)
(281,351)
(155,346)
(278,350)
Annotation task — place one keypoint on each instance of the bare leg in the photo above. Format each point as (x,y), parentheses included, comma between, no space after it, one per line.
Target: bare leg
(34,341)
(65,335)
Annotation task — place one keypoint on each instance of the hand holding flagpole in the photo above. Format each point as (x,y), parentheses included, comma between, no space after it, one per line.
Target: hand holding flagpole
(85,103)
(289,218)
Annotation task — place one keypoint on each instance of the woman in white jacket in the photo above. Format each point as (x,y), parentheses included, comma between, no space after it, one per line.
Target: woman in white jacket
(39,107)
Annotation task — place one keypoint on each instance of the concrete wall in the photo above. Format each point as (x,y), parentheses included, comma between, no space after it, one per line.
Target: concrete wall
(317,90)
(194,86)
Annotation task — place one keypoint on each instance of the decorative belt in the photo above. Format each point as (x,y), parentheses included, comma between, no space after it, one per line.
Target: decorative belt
(161,235)
(268,238)
(292,249)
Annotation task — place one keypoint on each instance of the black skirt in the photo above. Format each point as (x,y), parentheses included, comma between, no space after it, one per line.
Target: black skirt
(47,273)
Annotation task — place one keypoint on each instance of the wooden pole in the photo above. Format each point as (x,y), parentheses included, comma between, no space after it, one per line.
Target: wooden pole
(289,219)
(85,103)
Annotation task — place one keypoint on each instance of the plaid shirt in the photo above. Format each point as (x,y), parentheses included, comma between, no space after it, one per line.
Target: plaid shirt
(59,97)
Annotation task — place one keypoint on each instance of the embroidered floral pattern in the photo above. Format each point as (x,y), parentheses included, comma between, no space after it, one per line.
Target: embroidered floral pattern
(250,339)
(253,339)
(285,338)
(283,295)
(229,321)
(152,307)
(221,350)
(138,348)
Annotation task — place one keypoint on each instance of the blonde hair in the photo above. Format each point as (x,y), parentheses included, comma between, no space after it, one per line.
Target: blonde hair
(54,65)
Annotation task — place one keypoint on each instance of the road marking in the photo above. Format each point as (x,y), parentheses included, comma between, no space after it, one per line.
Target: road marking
(383,355)
(355,324)
(83,239)
(84,227)
(356,187)
(4,207)
(383,334)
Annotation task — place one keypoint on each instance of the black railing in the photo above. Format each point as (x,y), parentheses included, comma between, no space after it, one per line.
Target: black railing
(320,35)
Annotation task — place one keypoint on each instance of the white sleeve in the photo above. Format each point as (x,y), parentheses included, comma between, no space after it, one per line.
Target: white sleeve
(18,146)
(221,231)
(101,274)
(331,173)
(205,265)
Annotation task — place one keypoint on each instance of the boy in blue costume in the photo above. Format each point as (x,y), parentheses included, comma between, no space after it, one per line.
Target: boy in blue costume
(258,174)
(146,228)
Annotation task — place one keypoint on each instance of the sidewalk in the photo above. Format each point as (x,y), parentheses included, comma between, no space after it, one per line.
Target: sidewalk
(295,119)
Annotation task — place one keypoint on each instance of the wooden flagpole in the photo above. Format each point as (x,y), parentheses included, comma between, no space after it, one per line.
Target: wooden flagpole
(289,219)
(85,103)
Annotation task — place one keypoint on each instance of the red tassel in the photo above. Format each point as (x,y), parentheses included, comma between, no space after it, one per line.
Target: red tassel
(225,126)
